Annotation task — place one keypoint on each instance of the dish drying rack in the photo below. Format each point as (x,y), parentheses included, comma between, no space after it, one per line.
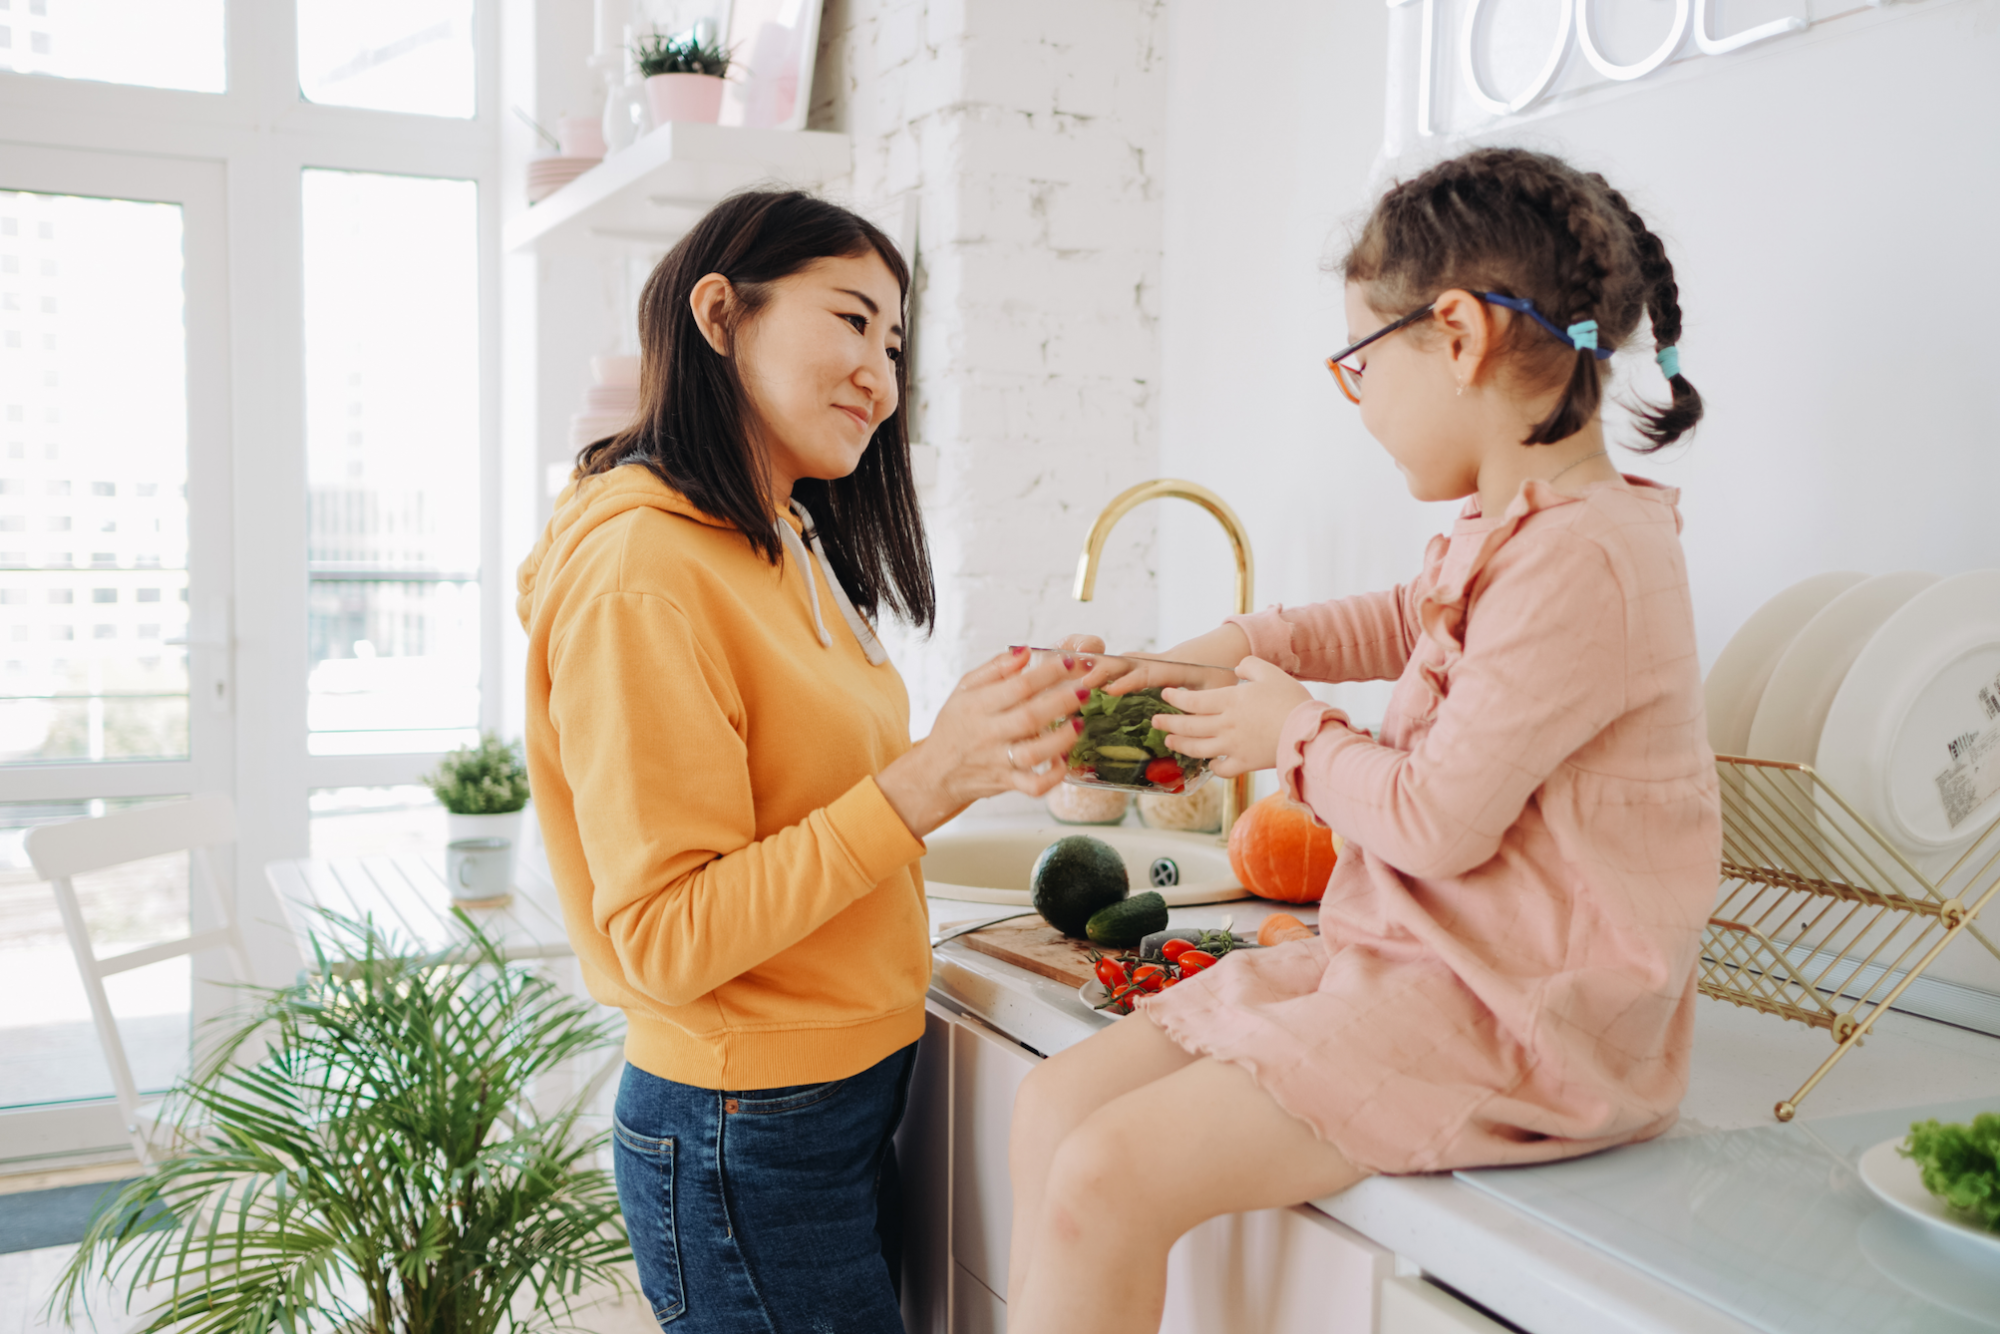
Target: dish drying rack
(1819,919)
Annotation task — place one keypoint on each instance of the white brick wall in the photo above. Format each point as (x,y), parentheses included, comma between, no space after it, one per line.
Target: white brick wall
(1031,134)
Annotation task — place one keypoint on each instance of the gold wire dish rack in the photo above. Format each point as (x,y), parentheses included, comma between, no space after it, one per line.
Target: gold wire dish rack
(1819,919)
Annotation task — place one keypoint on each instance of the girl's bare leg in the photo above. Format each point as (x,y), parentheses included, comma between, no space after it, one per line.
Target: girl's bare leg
(1056,1098)
(1120,1190)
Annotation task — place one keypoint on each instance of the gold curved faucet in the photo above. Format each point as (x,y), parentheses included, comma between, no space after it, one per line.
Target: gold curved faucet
(1237,795)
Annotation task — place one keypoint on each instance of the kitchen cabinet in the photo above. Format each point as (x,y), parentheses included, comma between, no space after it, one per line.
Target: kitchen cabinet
(1274,1271)
(1412,1306)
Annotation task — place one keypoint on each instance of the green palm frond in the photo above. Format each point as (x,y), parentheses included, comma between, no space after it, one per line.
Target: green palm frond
(379,1166)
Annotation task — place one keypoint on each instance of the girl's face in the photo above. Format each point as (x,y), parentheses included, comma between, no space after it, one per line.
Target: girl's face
(818,363)
(1410,402)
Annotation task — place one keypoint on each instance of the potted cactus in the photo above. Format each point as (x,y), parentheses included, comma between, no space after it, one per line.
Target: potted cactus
(683,76)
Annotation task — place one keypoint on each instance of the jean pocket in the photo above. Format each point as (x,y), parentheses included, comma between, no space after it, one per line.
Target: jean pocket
(770,1102)
(644,1167)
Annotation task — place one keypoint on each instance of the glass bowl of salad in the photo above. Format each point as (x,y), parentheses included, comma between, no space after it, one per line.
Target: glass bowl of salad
(1119,747)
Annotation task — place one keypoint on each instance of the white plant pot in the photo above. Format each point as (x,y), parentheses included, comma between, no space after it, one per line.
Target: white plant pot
(506,826)
(685,97)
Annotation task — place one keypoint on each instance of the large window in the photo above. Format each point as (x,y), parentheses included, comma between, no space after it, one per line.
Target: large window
(392,447)
(93,483)
(154,43)
(247,353)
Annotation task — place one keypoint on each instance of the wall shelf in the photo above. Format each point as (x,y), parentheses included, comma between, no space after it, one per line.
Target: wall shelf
(654,190)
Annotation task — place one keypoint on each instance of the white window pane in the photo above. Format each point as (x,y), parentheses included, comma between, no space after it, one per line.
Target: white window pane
(49,1050)
(153,43)
(93,480)
(392,445)
(388,55)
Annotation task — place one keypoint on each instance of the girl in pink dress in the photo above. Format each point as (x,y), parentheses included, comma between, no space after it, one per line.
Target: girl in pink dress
(1505,966)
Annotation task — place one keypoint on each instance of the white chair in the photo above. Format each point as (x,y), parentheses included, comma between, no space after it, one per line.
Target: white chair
(61,852)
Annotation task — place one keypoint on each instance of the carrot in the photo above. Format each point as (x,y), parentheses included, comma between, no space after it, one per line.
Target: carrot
(1281,927)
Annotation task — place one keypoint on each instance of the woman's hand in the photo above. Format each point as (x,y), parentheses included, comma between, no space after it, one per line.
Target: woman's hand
(990,737)
(1224,646)
(1236,728)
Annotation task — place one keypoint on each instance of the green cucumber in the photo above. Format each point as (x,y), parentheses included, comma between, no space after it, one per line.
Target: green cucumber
(1127,922)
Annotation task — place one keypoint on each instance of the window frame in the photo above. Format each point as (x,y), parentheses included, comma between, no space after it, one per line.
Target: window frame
(247,404)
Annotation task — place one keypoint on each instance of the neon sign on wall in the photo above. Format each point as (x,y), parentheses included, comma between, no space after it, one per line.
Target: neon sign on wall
(1477,37)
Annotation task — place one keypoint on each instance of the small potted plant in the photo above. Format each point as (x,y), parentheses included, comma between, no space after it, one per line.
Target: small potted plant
(683,76)
(483,789)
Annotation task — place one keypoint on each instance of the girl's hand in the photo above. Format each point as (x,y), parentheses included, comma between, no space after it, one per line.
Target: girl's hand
(991,736)
(1224,646)
(1235,728)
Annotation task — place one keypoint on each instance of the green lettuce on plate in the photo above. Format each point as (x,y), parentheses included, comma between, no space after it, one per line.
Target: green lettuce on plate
(1961,1165)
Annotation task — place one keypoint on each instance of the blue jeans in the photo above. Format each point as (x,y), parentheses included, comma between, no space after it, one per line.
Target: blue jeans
(764,1211)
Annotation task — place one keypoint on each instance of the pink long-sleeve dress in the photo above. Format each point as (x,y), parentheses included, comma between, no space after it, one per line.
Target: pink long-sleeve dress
(1505,966)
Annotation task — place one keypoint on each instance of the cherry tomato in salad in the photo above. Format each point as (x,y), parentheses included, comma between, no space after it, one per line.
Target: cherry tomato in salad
(1149,978)
(1174,949)
(1164,773)
(1111,973)
(1193,961)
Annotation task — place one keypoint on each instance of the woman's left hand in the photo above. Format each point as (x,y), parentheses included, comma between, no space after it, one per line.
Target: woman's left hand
(1236,727)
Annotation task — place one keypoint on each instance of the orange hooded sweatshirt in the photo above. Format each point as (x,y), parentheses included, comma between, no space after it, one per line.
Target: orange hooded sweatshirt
(702,743)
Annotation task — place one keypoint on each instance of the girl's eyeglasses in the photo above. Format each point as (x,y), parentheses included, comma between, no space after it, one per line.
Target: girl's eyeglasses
(1348,377)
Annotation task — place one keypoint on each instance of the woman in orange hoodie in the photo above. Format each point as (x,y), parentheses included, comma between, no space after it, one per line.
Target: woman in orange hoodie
(721,759)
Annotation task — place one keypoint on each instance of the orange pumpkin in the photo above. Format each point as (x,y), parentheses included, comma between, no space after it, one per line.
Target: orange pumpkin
(1278,852)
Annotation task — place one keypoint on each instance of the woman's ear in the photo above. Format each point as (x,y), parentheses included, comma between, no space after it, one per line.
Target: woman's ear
(710,301)
(1469,332)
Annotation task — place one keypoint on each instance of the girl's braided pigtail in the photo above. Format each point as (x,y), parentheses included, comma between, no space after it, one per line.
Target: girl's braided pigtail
(1661,426)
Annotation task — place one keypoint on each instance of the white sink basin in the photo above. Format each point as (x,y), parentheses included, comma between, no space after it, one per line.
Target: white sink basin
(993,866)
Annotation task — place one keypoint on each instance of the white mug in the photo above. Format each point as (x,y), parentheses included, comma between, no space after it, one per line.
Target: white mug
(479,870)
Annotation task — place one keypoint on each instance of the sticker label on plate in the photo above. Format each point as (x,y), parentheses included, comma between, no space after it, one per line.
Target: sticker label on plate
(1974,775)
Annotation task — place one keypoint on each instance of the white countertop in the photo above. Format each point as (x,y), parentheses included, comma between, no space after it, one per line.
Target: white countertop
(1530,1272)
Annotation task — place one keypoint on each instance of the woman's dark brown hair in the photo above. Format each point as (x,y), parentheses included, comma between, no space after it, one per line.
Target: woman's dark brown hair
(1529,225)
(694,424)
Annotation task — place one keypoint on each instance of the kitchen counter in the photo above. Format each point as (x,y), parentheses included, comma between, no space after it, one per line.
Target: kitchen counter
(1535,1274)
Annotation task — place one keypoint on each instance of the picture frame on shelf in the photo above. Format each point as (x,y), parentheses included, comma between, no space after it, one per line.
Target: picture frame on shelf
(773,46)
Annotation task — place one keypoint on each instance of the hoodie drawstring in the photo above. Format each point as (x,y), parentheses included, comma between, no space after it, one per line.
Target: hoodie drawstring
(863,632)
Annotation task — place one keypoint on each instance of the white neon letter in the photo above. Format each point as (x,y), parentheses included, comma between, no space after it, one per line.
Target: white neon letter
(1635,71)
(1715,46)
(1493,105)
(1426,59)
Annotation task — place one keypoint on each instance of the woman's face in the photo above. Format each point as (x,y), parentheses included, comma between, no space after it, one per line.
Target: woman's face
(1410,402)
(818,362)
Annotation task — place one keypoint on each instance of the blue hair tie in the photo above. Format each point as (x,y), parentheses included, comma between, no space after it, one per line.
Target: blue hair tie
(1583,335)
(1670,361)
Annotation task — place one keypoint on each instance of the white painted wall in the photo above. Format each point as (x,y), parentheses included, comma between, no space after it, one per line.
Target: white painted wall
(1827,198)
(1029,133)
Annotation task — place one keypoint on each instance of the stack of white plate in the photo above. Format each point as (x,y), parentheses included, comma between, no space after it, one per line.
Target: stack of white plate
(546,175)
(1889,687)
(610,403)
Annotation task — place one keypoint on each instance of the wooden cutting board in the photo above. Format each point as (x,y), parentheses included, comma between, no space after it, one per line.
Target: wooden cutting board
(1031,943)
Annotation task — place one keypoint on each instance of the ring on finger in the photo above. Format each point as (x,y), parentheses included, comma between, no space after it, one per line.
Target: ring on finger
(1012,763)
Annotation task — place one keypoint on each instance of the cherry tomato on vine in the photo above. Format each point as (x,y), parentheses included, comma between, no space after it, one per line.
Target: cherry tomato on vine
(1111,973)
(1174,949)
(1193,961)
(1149,977)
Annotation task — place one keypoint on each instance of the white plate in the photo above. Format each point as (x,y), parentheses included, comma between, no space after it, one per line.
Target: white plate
(1928,682)
(1808,674)
(1899,1183)
(1093,994)
(1736,683)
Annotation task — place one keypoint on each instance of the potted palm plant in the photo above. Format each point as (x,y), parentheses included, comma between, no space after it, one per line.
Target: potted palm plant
(683,76)
(379,1167)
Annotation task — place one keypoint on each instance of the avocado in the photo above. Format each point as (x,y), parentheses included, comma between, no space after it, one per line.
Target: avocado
(1073,878)
(1126,923)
